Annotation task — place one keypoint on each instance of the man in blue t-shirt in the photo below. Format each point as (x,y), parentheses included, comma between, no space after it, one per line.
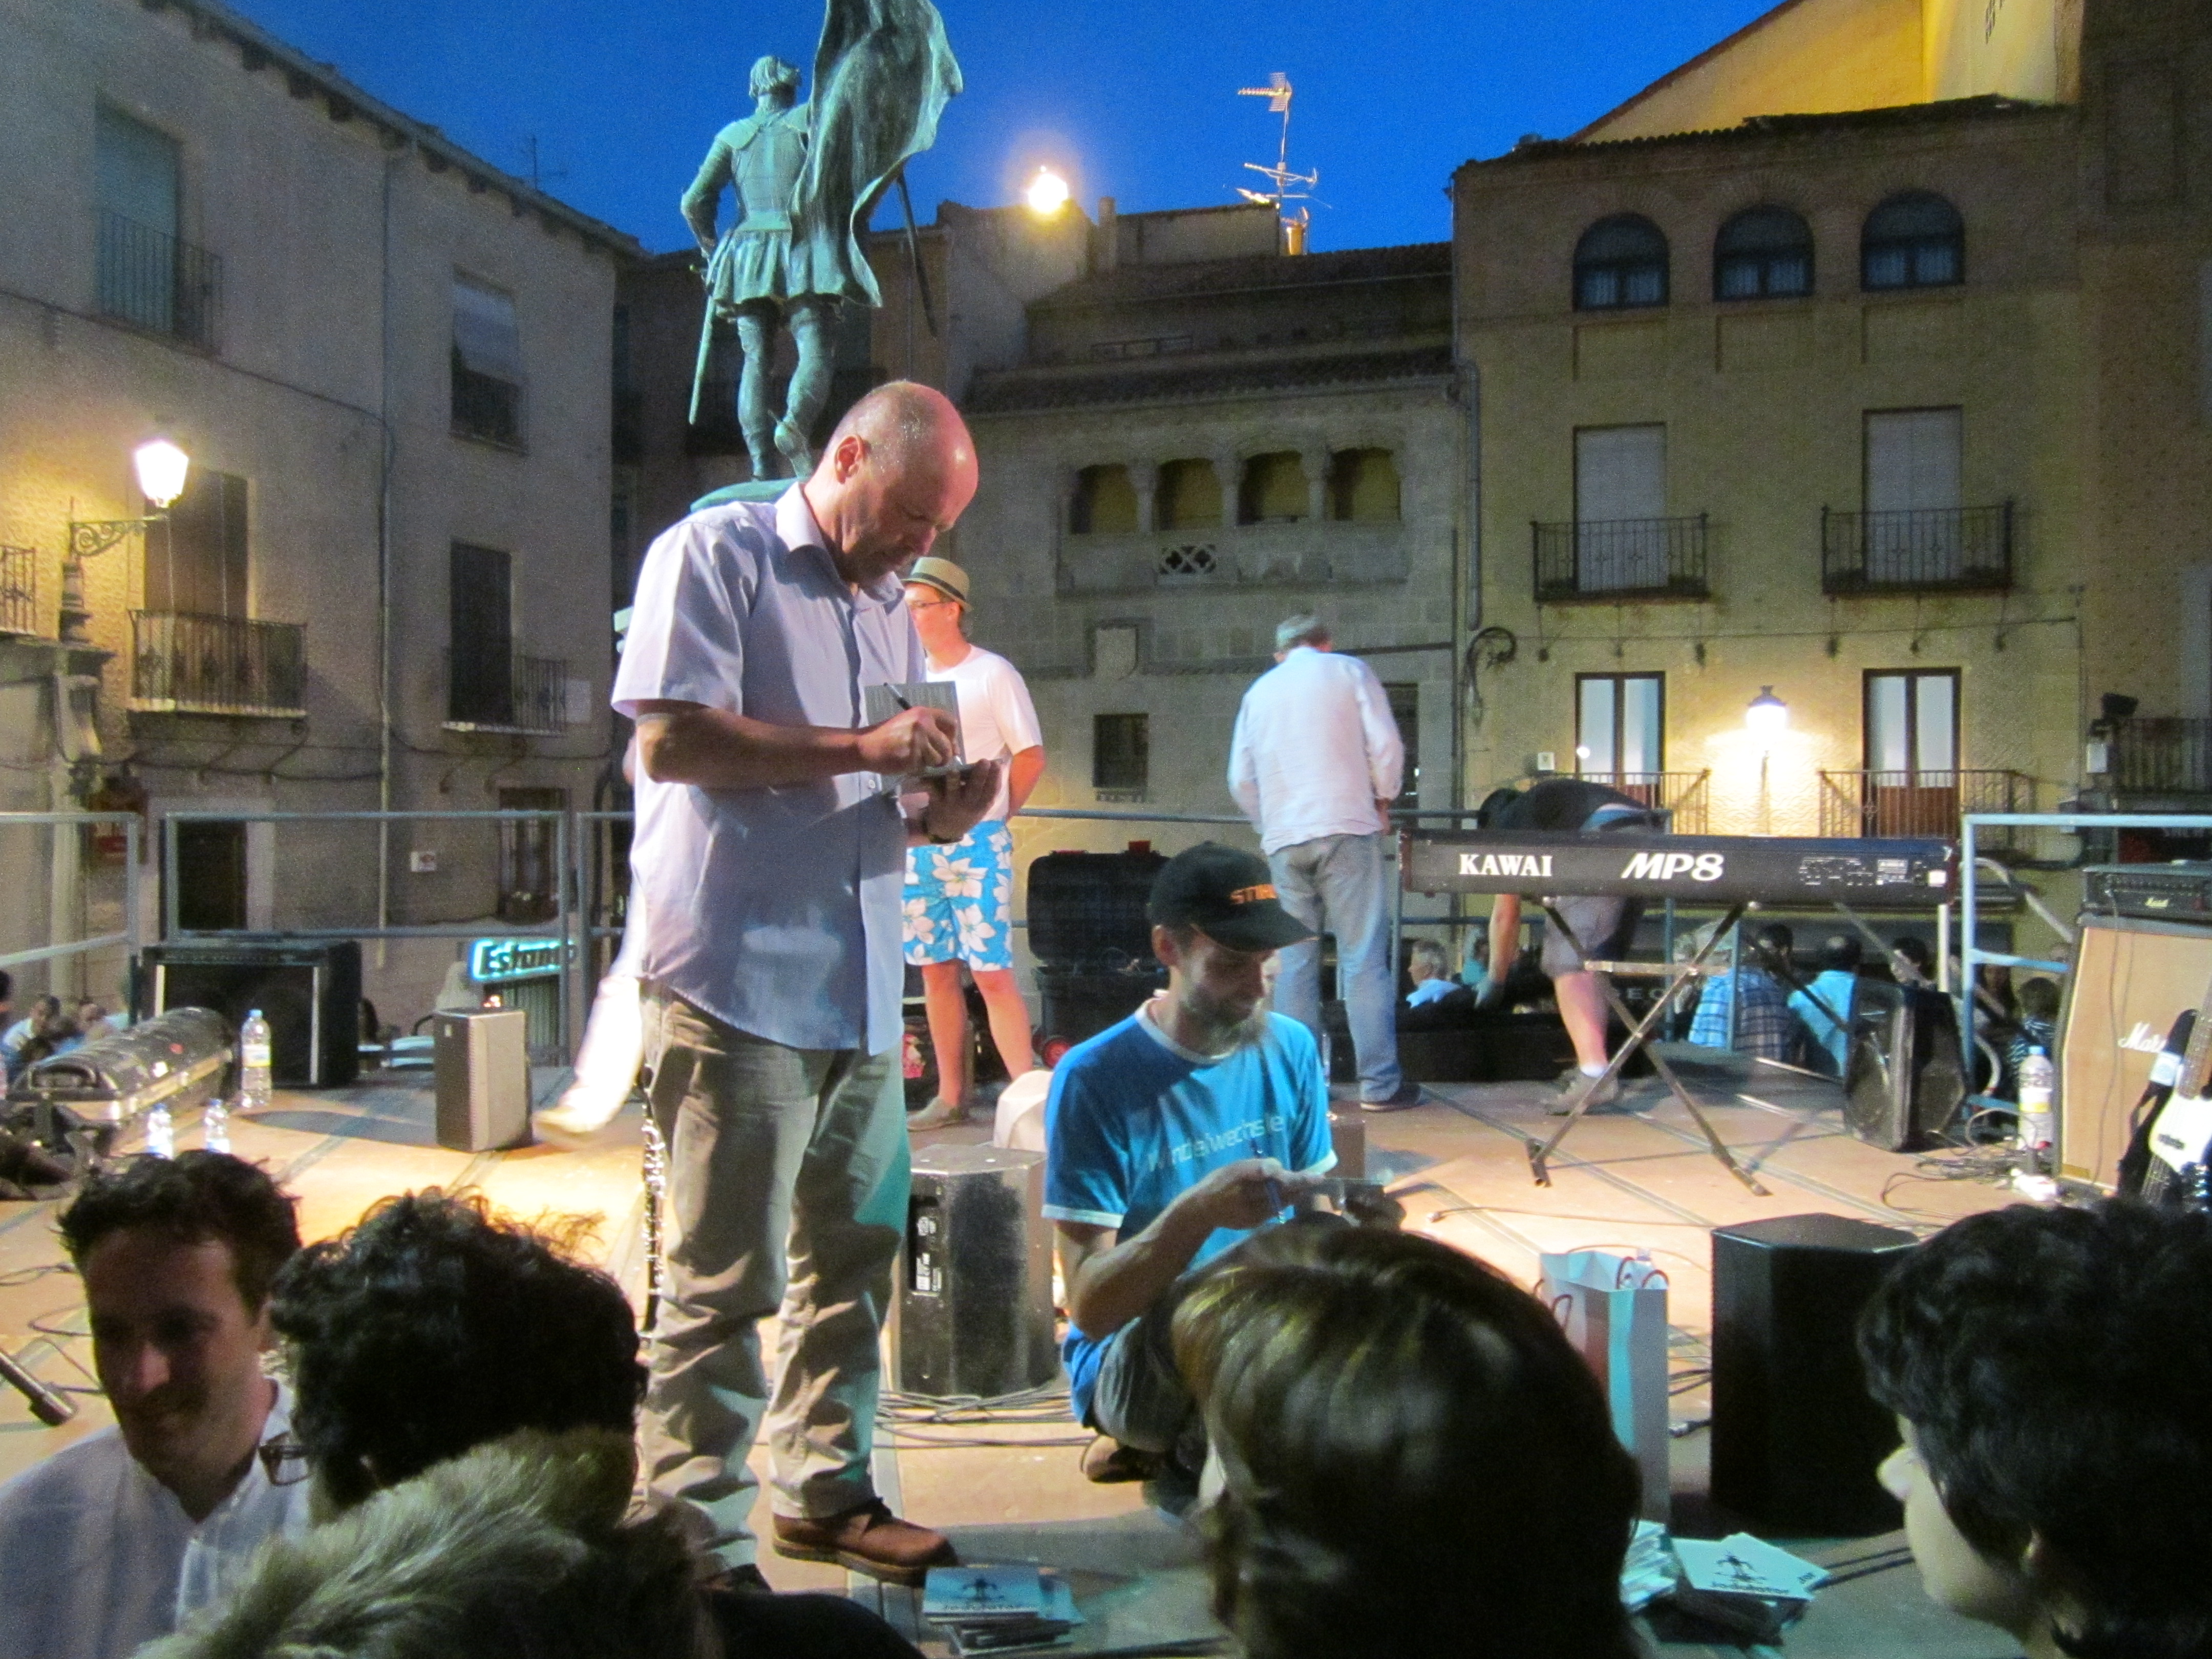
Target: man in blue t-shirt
(1170,1137)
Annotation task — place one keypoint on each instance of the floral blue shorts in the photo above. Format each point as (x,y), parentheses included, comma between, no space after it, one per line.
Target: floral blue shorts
(959,900)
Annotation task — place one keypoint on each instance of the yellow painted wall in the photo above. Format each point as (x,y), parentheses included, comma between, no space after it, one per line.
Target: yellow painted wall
(2020,48)
(1765,404)
(1805,56)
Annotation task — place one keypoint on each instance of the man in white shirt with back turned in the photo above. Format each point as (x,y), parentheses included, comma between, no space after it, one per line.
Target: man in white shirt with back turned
(1315,762)
(117,1538)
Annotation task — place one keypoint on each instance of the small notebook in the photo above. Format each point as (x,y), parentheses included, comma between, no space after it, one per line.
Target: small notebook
(880,702)
(975,1594)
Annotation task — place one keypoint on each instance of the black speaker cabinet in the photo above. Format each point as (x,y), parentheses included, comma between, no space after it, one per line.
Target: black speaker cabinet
(973,1311)
(1796,1438)
(1905,1077)
(308,990)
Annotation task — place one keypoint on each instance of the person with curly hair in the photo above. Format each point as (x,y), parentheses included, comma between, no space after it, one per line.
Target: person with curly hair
(2050,1371)
(1406,1456)
(117,1538)
(468,1395)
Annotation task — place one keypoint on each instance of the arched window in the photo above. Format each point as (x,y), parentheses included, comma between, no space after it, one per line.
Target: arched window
(1105,504)
(1363,486)
(1190,495)
(1915,240)
(1272,490)
(1763,254)
(1620,261)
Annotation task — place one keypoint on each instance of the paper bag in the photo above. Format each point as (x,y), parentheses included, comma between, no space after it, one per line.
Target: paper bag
(1613,1309)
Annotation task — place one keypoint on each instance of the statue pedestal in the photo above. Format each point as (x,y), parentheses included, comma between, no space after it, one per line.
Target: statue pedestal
(752,490)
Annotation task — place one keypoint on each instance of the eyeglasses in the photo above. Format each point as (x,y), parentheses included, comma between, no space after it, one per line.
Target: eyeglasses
(929,604)
(284,1460)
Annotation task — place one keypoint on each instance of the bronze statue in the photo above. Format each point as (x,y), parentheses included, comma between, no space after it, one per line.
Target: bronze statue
(806,178)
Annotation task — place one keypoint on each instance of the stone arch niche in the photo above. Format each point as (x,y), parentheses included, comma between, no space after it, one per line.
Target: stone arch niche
(1364,486)
(1105,502)
(1272,490)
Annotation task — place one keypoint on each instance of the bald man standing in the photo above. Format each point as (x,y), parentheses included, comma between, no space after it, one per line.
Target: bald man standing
(771,848)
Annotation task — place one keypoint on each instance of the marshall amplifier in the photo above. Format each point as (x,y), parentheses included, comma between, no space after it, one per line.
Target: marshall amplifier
(2149,892)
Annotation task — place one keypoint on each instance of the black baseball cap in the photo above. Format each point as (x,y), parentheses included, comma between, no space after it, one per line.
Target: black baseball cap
(1228,896)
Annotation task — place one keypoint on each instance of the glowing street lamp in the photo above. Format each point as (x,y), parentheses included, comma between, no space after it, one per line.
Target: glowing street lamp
(162,468)
(1047,193)
(1768,714)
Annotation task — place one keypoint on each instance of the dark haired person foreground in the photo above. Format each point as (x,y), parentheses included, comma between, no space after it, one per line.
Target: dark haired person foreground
(467,1398)
(2049,1370)
(1409,1458)
(116,1538)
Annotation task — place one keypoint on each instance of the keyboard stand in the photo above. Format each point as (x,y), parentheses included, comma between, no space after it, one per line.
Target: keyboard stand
(1639,1034)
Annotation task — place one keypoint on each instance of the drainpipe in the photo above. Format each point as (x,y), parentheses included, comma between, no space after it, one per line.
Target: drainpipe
(384,578)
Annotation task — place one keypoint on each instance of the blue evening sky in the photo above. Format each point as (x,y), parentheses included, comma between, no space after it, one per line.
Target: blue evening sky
(1134,98)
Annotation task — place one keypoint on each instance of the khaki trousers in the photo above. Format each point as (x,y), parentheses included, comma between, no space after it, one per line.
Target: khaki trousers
(788,1181)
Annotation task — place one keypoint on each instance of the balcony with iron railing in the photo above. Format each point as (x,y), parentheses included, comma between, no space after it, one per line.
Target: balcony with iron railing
(1961,549)
(1685,797)
(154,280)
(182,664)
(2160,756)
(19,590)
(506,691)
(1620,559)
(1907,804)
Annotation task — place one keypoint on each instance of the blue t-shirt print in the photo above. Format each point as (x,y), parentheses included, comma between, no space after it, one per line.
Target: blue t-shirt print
(1132,1124)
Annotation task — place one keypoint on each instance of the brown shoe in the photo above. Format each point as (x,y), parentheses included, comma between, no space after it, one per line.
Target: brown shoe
(1108,1462)
(869,1539)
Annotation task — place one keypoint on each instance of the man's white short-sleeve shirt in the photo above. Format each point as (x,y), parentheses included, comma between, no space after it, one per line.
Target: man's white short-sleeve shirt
(997,718)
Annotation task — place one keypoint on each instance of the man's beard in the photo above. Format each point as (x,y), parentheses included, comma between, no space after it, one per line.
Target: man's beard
(1223,1025)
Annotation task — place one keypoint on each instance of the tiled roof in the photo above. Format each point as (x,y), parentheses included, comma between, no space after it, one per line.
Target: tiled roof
(1786,126)
(1010,391)
(1254,272)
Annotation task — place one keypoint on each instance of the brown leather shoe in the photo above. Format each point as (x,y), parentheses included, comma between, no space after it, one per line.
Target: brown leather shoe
(869,1539)
(1108,1462)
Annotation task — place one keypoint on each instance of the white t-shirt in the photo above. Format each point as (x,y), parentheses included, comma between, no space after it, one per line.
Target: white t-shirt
(97,1556)
(997,718)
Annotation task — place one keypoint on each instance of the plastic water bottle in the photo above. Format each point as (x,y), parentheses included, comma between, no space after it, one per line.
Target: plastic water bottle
(253,1063)
(215,1125)
(160,1132)
(2038,1076)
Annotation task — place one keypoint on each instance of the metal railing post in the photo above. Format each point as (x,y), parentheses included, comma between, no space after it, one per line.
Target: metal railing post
(171,925)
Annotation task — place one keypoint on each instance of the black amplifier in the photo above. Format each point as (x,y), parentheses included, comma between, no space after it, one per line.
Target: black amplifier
(2149,892)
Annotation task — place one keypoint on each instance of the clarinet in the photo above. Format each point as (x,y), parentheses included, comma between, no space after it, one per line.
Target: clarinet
(656,1192)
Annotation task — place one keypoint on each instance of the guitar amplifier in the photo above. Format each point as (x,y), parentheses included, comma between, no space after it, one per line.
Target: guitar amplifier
(2150,892)
(308,990)
(2131,979)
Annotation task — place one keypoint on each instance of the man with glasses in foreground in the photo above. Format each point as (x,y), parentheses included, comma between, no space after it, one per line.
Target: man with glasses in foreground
(114,1540)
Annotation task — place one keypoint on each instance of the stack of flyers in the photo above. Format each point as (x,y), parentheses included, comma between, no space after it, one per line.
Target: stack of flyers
(1648,1573)
(1001,1609)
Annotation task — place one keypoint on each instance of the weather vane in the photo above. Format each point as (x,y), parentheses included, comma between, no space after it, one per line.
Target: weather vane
(1289,187)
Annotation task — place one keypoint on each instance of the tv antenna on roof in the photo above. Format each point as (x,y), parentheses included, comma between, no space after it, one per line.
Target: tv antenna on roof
(1289,187)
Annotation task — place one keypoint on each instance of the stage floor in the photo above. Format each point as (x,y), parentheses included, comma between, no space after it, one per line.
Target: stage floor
(1638,1177)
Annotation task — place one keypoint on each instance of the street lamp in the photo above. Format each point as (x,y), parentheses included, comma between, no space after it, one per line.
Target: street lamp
(1768,718)
(162,468)
(1047,193)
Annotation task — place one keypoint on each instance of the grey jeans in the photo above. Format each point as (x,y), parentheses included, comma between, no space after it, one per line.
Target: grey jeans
(1139,1398)
(1337,884)
(788,1179)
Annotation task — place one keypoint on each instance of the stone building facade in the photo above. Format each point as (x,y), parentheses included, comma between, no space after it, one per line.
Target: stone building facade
(391,364)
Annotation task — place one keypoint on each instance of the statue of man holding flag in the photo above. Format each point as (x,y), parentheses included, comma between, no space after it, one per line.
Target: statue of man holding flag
(806,177)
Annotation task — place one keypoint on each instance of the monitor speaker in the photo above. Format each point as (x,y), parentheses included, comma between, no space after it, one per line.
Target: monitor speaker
(308,990)
(1905,1077)
(973,1311)
(1795,1439)
(2131,979)
(482,1061)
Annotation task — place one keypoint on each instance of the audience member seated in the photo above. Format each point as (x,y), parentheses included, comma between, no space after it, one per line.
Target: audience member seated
(1437,1002)
(46,1015)
(467,1399)
(1407,1457)
(1824,1004)
(1764,1027)
(1916,955)
(2048,1369)
(114,1540)
(1169,1137)
(2037,1028)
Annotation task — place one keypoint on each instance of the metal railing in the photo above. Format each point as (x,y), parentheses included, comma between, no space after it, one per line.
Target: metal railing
(19,590)
(485,407)
(1620,559)
(183,664)
(128,934)
(1686,795)
(1934,549)
(531,698)
(154,280)
(2162,754)
(1908,804)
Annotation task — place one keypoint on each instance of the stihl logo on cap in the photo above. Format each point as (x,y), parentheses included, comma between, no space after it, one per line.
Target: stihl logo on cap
(1252,895)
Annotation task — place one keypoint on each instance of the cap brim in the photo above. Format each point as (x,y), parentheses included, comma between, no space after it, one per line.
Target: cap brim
(1262,927)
